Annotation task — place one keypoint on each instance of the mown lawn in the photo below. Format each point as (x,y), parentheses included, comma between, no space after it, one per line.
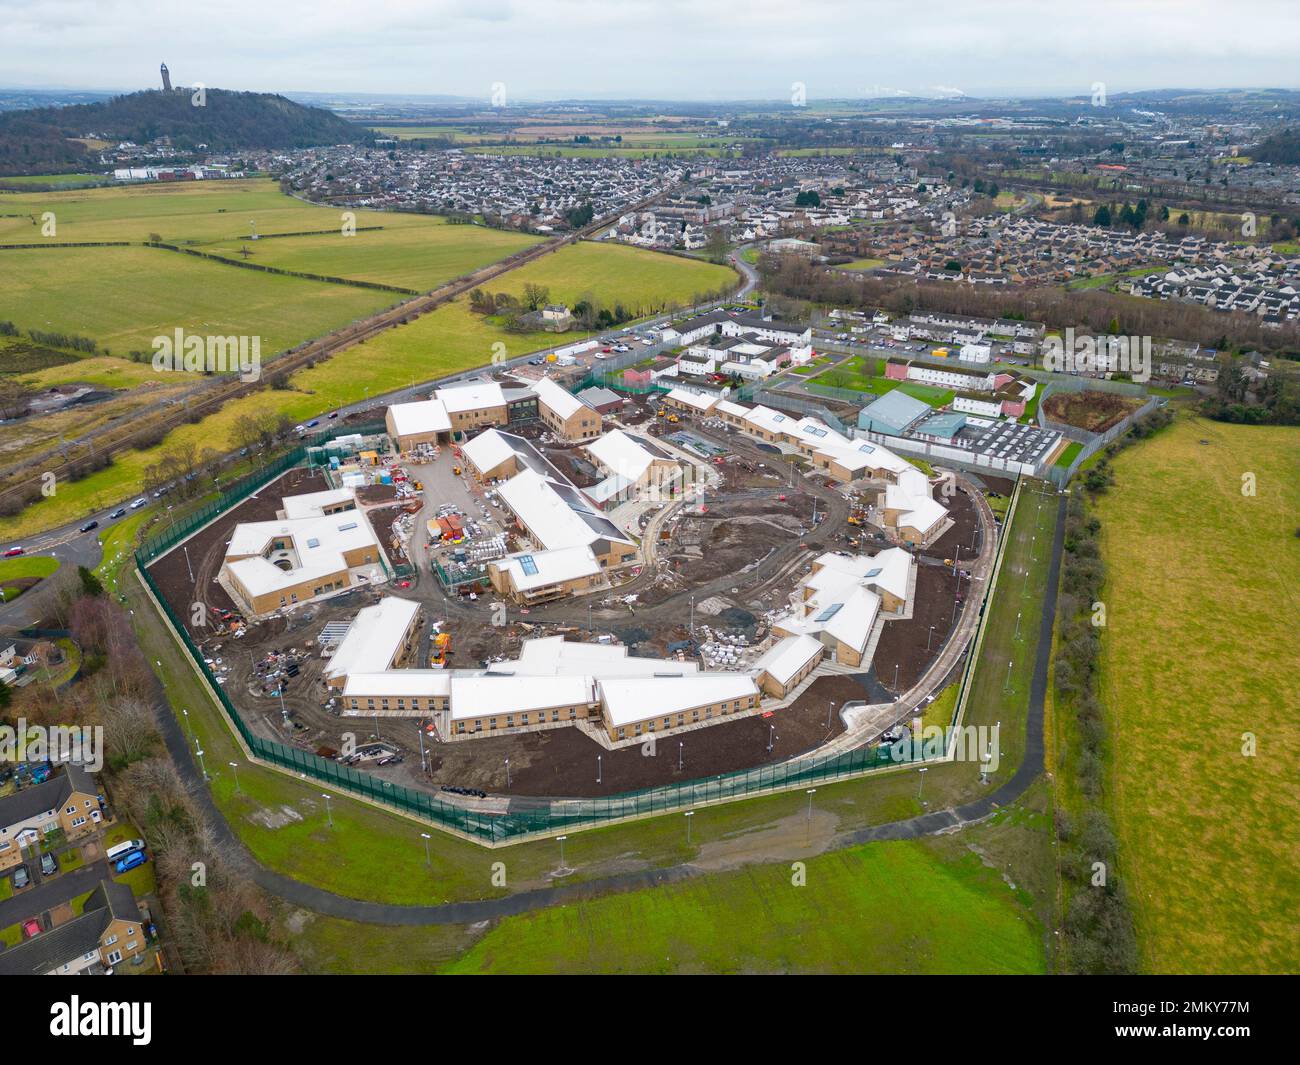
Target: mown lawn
(1199,656)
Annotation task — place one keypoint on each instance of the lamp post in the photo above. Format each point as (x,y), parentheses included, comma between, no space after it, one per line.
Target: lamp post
(329,817)
(202,767)
(427,860)
(507,774)
(929,638)
(234,768)
(920,782)
(598,768)
(810,792)
(771,737)
(680,745)
(560,840)
(688,815)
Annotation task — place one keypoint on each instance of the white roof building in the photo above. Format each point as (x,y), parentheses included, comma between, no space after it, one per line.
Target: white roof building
(563,403)
(627,701)
(424,416)
(699,402)
(314,504)
(474,395)
(374,638)
(556,515)
(488,450)
(787,656)
(484,696)
(426,683)
(313,547)
(912,499)
(538,569)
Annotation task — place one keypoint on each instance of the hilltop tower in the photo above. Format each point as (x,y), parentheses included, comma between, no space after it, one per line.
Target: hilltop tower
(167,79)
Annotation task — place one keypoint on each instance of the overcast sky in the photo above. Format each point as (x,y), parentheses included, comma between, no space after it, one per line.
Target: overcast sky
(662,49)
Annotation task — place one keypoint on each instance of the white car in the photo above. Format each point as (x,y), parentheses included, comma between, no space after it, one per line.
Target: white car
(138,503)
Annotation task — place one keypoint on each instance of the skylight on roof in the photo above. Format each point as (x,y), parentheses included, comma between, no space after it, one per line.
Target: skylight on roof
(875,572)
(529,565)
(348,527)
(829,612)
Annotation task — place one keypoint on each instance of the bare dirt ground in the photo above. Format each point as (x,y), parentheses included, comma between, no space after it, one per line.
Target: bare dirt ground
(562,762)
(1094,411)
(902,643)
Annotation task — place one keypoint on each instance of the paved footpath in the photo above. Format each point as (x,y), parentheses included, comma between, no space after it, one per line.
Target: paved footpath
(325,902)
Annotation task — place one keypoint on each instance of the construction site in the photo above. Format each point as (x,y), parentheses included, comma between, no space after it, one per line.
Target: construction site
(715,570)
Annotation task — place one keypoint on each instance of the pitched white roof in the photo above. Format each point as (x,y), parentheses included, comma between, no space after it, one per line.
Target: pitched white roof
(787,656)
(693,399)
(772,421)
(373,638)
(911,497)
(427,682)
(319,544)
(736,410)
(488,450)
(558,399)
(627,701)
(622,454)
(424,416)
(816,432)
(481,696)
(545,508)
(475,395)
(889,570)
(313,504)
(536,569)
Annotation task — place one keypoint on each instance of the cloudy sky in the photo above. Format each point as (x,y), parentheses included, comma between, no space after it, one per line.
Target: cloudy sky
(662,49)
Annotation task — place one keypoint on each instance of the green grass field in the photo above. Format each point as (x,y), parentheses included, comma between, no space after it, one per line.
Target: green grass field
(124,297)
(1199,650)
(179,212)
(13,569)
(885,907)
(415,257)
(24,181)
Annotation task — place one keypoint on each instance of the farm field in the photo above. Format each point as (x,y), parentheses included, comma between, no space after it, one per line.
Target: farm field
(178,212)
(123,297)
(415,257)
(1207,836)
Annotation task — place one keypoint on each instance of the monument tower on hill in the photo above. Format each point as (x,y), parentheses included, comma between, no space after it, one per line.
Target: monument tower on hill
(167,79)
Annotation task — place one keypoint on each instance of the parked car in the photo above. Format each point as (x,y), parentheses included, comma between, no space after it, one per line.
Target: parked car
(13,551)
(21,877)
(49,867)
(90,525)
(130,861)
(31,928)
